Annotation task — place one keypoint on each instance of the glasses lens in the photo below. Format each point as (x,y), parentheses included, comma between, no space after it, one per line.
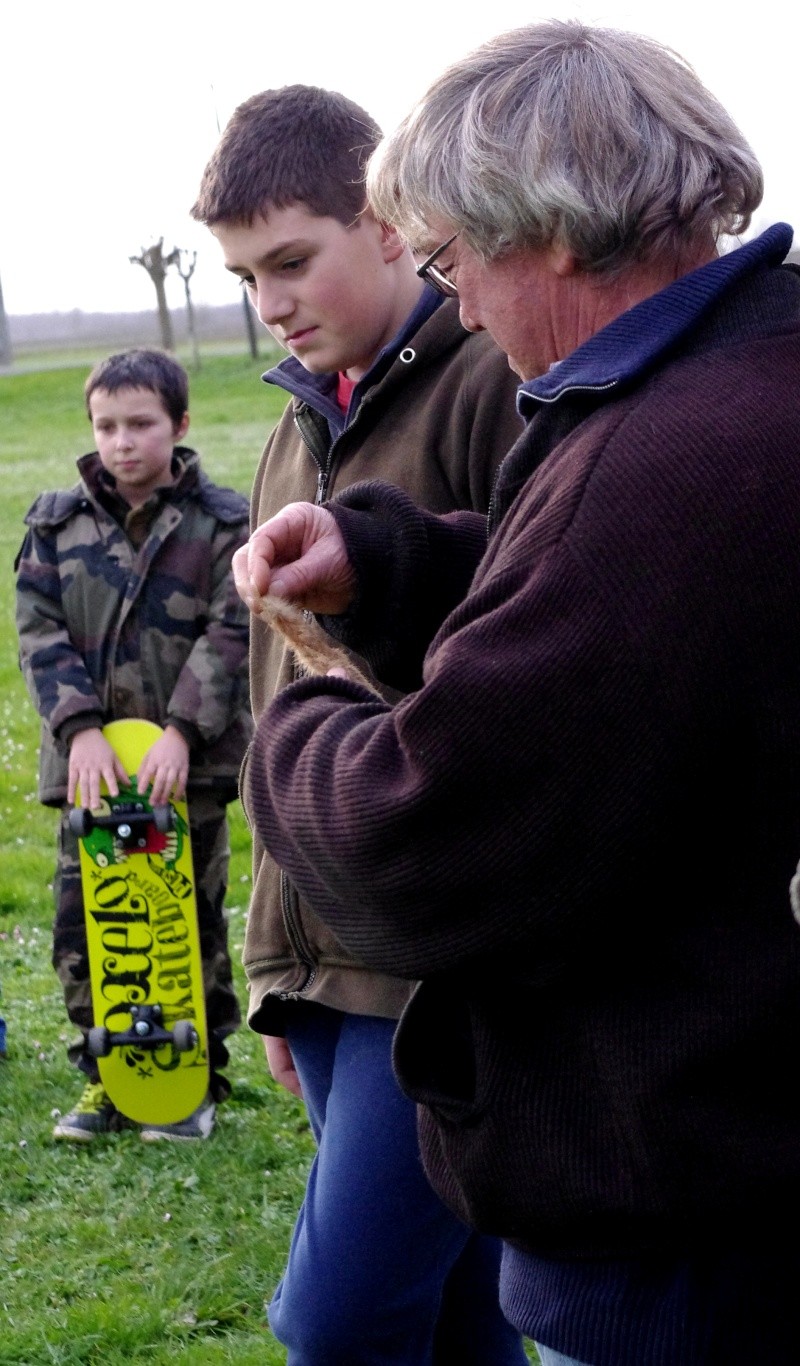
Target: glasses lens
(434,275)
(441,282)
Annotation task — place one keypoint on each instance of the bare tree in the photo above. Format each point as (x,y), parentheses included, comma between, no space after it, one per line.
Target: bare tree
(6,355)
(185,268)
(250,327)
(156,264)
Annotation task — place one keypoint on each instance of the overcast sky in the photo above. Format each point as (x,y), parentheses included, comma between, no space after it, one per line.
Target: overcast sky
(109,111)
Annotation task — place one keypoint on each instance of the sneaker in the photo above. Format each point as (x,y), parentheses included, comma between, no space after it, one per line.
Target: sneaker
(94,1114)
(198,1125)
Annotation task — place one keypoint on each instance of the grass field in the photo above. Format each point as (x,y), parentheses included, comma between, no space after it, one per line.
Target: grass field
(125,1252)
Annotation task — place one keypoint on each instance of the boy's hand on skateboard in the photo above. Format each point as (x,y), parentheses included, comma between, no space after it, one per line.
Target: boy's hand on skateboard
(166,766)
(298,555)
(92,760)
(281,1064)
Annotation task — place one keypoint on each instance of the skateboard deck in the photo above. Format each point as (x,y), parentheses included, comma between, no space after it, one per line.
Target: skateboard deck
(149,1037)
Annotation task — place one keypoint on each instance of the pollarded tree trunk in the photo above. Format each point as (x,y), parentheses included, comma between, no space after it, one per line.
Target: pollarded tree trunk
(156,264)
(186,270)
(250,327)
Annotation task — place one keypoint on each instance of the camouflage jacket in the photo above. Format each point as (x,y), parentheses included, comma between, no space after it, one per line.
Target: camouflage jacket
(132,613)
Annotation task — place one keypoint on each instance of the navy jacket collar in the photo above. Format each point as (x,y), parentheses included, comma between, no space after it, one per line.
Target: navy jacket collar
(632,344)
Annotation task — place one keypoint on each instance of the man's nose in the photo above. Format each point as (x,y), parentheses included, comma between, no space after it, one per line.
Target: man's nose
(468,321)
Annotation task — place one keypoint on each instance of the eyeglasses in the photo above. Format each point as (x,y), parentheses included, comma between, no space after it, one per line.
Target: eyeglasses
(435,277)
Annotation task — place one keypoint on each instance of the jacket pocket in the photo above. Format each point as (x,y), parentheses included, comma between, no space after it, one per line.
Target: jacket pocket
(435,1052)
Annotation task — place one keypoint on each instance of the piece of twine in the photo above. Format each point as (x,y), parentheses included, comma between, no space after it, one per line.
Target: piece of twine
(314,649)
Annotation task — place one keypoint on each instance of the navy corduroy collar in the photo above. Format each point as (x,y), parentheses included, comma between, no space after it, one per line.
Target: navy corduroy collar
(632,344)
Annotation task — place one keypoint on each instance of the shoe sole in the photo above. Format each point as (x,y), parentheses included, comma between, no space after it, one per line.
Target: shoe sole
(74,1135)
(154,1136)
(170,1138)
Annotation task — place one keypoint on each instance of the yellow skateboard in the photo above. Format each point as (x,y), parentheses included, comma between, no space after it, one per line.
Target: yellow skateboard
(149,1036)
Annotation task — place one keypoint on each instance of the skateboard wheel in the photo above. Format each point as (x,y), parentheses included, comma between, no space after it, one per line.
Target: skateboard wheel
(184,1036)
(80,821)
(162,819)
(98,1042)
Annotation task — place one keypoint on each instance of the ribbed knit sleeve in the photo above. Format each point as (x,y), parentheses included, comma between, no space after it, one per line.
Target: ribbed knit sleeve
(412,568)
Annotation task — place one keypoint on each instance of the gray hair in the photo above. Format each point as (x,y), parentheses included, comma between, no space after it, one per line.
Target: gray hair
(601,141)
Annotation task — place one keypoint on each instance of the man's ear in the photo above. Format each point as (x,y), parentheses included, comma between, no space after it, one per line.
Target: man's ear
(182,427)
(392,245)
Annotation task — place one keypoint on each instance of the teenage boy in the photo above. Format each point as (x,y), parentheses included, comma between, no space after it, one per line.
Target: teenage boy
(126,608)
(384,383)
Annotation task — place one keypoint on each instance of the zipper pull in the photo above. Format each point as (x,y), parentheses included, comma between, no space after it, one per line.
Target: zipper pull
(322,485)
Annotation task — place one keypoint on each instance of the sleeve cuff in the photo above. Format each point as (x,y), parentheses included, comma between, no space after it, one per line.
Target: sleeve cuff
(85,720)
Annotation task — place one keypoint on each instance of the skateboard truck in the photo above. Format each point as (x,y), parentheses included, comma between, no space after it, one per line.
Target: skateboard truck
(144,1031)
(128,820)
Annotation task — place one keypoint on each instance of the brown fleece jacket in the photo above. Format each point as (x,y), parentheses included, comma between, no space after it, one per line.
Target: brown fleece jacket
(436,424)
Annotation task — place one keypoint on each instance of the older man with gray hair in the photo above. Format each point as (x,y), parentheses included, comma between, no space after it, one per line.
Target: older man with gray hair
(579,828)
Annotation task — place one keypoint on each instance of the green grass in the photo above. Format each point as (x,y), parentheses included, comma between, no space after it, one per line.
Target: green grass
(125,1253)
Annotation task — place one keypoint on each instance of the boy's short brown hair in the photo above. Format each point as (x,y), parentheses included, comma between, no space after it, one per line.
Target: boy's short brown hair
(297,145)
(141,369)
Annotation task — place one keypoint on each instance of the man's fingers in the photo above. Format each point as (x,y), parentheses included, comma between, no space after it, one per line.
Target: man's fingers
(283,556)
(241,576)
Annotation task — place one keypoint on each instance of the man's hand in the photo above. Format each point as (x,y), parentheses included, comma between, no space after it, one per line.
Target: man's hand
(91,760)
(281,1064)
(166,766)
(298,555)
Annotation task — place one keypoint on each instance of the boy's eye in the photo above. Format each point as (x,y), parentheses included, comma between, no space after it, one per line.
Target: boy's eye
(295,263)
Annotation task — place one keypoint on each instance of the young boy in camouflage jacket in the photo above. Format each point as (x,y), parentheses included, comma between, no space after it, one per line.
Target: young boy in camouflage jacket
(126,608)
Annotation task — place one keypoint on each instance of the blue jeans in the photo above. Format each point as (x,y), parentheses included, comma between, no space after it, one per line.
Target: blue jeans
(379,1271)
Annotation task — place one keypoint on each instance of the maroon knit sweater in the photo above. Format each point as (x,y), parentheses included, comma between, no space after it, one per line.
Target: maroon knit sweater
(581,829)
